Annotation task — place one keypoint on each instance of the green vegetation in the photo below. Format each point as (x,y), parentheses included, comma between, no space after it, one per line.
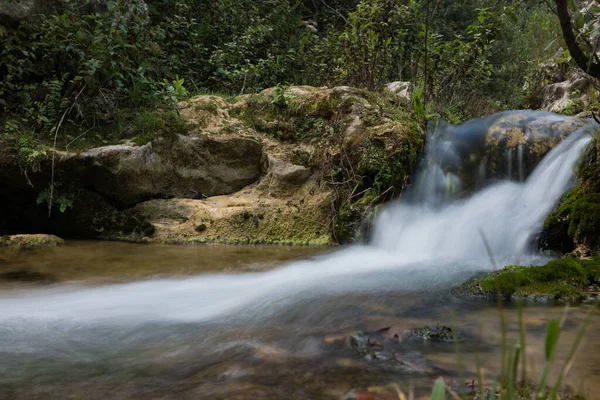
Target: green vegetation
(576,221)
(77,68)
(562,280)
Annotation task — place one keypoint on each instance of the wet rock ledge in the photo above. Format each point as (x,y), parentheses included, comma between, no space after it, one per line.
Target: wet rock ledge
(244,170)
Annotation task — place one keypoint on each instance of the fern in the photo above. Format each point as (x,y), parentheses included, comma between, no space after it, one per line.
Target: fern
(55,102)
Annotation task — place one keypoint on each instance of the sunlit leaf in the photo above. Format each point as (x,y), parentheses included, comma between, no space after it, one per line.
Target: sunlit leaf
(439,390)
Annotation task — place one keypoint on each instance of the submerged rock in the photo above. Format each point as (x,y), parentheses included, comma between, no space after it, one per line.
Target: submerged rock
(388,349)
(25,275)
(437,333)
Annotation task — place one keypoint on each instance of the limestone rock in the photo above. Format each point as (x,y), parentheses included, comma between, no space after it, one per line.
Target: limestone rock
(558,97)
(186,166)
(35,240)
(248,216)
(401,90)
(287,173)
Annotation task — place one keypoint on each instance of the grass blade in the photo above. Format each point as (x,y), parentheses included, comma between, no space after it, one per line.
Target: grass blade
(569,361)
(480,390)
(522,343)
(461,371)
(439,390)
(552,334)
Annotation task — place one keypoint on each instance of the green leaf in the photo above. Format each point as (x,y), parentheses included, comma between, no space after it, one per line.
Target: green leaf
(439,390)
(552,334)
(550,45)
(110,5)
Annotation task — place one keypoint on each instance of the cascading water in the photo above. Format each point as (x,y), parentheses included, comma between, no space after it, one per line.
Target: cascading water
(432,236)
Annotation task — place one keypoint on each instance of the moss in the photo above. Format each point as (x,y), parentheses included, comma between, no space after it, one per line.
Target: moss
(347,223)
(139,125)
(264,225)
(145,128)
(576,221)
(201,228)
(35,240)
(93,216)
(562,279)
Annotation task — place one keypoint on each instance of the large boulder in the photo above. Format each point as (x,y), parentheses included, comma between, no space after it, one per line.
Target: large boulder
(507,145)
(183,166)
(569,95)
(279,166)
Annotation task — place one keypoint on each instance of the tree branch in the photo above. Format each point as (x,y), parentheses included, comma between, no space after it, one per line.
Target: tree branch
(581,59)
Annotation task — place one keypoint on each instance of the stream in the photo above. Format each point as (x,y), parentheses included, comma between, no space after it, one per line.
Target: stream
(117,320)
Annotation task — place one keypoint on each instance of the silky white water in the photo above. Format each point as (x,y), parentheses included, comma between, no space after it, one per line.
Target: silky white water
(416,243)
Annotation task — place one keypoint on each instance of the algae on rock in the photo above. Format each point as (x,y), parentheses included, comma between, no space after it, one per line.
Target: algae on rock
(565,279)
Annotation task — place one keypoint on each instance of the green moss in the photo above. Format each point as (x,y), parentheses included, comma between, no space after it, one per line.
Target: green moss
(562,279)
(201,228)
(147,126)
(347,222)
(35,240)
(576,221)
(93,216)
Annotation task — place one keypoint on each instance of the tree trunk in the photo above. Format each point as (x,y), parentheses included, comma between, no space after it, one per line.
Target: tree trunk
(583,61)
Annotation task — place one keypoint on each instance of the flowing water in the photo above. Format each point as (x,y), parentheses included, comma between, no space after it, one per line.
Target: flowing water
(114,320)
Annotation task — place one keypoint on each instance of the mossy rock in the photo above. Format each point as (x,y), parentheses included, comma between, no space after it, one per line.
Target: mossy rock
(34,240)
(576,221)
(559,280)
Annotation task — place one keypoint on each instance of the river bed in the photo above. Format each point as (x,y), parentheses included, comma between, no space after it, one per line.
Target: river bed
(118,320)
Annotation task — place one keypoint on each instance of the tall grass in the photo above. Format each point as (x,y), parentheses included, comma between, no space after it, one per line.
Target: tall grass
(511,384)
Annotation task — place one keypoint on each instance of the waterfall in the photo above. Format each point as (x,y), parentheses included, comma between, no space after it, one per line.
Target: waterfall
(520,162)
(509,163)
(432,236)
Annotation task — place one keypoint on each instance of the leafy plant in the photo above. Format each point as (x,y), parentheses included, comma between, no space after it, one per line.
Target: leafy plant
(281,96)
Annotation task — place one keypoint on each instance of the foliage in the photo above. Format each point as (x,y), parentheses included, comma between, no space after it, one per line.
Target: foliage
(581,34)
(81,65)
(63,199)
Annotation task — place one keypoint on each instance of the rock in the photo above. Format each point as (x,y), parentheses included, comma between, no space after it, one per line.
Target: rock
(563,280)
(507,145)
(25,275)
(36,240)
(401,91)
(11,12)
(574,226)
(385,348)
(414,361)
(288,174)
(572,92)
(14,11)
(234,170)
(368,395)
(183,166)
(437,333)
(252,215)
